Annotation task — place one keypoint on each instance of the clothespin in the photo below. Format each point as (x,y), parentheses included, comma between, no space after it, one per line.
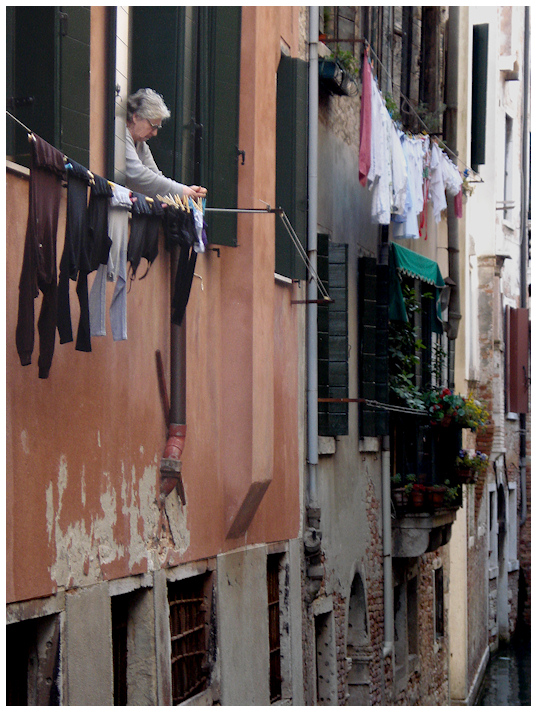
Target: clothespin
(31,137)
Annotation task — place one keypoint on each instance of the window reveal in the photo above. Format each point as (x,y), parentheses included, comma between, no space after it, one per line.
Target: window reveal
(273,589)
(188,630)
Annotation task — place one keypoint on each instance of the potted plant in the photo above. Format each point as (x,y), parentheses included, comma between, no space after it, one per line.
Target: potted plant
(435,495)
(399,492)
(470,465)
(451,493)
(416,492)
(445,407)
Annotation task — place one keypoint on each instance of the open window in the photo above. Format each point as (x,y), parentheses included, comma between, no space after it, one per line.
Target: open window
(195,65)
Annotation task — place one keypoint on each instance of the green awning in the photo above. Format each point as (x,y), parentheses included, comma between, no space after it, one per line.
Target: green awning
(405,262)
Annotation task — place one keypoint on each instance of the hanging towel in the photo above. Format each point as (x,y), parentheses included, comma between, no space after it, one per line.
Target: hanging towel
(39,271)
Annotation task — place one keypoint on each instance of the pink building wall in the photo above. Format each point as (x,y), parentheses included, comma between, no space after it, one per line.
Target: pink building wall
(83,447)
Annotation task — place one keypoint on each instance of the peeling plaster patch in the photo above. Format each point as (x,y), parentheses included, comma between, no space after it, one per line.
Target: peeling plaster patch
(139,505)
(177,518)
(85,545)
(24,442)
(98,438)
(141,449)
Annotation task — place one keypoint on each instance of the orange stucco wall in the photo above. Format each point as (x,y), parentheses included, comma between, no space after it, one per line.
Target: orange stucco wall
(84,445)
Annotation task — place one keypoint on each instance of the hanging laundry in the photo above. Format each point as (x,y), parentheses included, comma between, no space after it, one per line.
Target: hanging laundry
(180,231)
(457,203)
(140,213)
(201,243)
(114,271)
(379,178)
(150,251)
(365,124)
(399,173)
(94,251)
(451,176)
(39,270)
(76,228)
(437,192)
(405,225)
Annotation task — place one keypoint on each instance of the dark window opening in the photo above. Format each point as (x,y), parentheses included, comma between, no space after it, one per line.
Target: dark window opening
(273,588)
(439,603)
(412,615)
(188,602)
(32,662)
(120,620)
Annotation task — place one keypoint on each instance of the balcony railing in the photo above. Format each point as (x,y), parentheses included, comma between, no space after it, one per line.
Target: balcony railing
(426,488)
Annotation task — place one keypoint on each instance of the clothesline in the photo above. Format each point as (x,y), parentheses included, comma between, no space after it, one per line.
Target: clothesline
(176,201)
(368,48)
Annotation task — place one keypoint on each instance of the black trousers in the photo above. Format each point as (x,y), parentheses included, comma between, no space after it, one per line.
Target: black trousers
(76,232)
(39,271)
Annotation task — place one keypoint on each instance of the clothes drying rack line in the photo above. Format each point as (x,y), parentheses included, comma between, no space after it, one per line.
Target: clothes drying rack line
(312,272)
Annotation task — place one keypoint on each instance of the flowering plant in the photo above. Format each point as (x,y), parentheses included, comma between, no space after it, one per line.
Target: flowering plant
(468,460)
(445,407)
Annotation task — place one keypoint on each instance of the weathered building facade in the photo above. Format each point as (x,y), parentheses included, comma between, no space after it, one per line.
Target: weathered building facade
(220,512)
(118,589)
(492,553)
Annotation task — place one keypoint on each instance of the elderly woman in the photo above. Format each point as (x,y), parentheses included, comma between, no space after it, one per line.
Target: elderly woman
(145,112)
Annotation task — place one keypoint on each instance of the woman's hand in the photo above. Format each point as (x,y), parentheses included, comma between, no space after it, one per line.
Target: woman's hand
(195,191)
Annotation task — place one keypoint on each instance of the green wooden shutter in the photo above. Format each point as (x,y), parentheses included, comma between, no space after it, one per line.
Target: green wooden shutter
(382,419)
(221,130)
(332,326)
(479,94)
(373,345)
(291,162)
(31,72)
(74,93)
(48,78)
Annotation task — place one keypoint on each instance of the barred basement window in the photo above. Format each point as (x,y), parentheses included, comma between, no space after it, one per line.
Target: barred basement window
(189,635)
(273,586)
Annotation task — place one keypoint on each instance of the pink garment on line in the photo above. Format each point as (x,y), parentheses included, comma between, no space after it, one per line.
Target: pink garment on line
(457,204)
(365,125)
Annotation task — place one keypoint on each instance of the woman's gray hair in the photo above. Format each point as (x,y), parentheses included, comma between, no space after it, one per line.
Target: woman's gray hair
(147,104)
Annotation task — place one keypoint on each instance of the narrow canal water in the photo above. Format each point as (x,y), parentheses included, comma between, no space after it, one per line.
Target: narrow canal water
(508,677)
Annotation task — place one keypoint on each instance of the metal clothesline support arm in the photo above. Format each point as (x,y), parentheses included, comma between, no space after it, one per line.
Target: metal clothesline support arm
(312,273)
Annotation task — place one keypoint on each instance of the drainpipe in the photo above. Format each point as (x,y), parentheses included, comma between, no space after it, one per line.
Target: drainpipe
(387,548)
(312,536)
(450,134)
(170,464)
(311,294)
(524,244)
